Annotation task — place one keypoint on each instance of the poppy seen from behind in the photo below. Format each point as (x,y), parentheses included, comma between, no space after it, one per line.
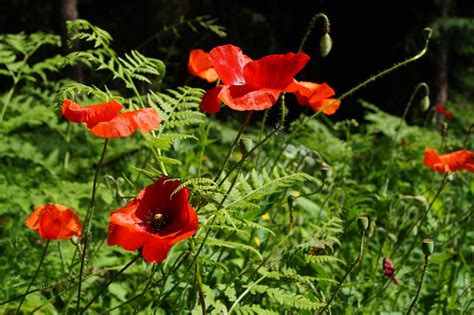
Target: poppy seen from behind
(54,222)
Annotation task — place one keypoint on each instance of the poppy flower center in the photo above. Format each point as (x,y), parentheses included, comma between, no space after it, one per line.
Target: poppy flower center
(155,222)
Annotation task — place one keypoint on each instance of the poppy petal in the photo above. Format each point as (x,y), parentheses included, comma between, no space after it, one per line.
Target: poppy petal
(126,238)
(55,221)
(125,124)
(200,65)
(229,62)
(450,162)
(274,71)
(155,250)
(242,97)
(90,114)
(210,102)
(329,106)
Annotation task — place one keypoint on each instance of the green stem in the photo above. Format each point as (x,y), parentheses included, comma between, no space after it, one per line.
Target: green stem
(348,272)
(34,277)
(203,141)
(351,91)
(420,284)
(260,135)
(88,222)
(244,294)
(309,29)
(109,282)
(259,144)
(236,140)
(395,139)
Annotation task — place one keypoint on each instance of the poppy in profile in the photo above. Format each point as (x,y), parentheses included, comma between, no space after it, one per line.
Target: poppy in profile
(54,222)
(440,109)
(450,162)
(249,84)
(154,221)
(389,270)
(200,65)
(105,120)
(317,96)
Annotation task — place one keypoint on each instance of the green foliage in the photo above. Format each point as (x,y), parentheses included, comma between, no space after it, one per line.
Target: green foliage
(277,232)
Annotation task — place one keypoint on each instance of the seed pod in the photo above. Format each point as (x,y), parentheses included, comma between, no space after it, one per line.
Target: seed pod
(427,247)
(325,45)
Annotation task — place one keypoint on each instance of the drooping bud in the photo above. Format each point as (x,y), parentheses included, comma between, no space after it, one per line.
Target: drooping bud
(325,45)
(363,224)
(427,247)
(425,103)
(75,240)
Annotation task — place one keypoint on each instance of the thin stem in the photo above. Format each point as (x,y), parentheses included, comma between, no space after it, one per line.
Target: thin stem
(271,134)
(8,99)
(236,140)
(395,139)
(203,141)
(354,89)
(88,221)
(260,134)
(348,272)
(420,284)
(34,277)
(109,282)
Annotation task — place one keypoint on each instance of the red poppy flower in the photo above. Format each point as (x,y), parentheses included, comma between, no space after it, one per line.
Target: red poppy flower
(317,96)
(451,162)
(440,109)
(104,120)
(248,84)
(154,220)
(55,222)
(389,270)
(200,65)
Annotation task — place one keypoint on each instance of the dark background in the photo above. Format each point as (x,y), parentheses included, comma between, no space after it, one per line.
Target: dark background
(368,36)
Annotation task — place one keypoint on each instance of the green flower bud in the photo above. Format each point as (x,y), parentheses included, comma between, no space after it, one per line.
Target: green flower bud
(363,223)
(425,103)
(427,247)
(75,240)
(325,45)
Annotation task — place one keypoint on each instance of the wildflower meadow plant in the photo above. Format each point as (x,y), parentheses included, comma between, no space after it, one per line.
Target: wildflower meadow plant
(189,213)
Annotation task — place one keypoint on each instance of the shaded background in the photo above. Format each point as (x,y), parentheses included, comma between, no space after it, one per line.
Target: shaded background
(368,36)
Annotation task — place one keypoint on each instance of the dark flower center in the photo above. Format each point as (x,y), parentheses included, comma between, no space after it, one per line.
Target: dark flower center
(155,221)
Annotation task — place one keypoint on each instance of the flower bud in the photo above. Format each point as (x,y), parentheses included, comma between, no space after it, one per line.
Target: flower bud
(363,223)
(325,45)
(427,247)
(425,103)
(75,240)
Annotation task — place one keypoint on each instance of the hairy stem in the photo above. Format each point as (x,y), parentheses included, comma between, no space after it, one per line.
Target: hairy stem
(109,282)
(348,272)
(393,149)
(88,222)
(34,276)
(420,284)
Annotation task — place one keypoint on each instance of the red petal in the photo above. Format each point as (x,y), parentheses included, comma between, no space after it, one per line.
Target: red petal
(274,71)
(451,162)
(55,221)
(155,250)
(210,102)
(90,114)
(242,97)
(200,65)
(123,125)
(229,62)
